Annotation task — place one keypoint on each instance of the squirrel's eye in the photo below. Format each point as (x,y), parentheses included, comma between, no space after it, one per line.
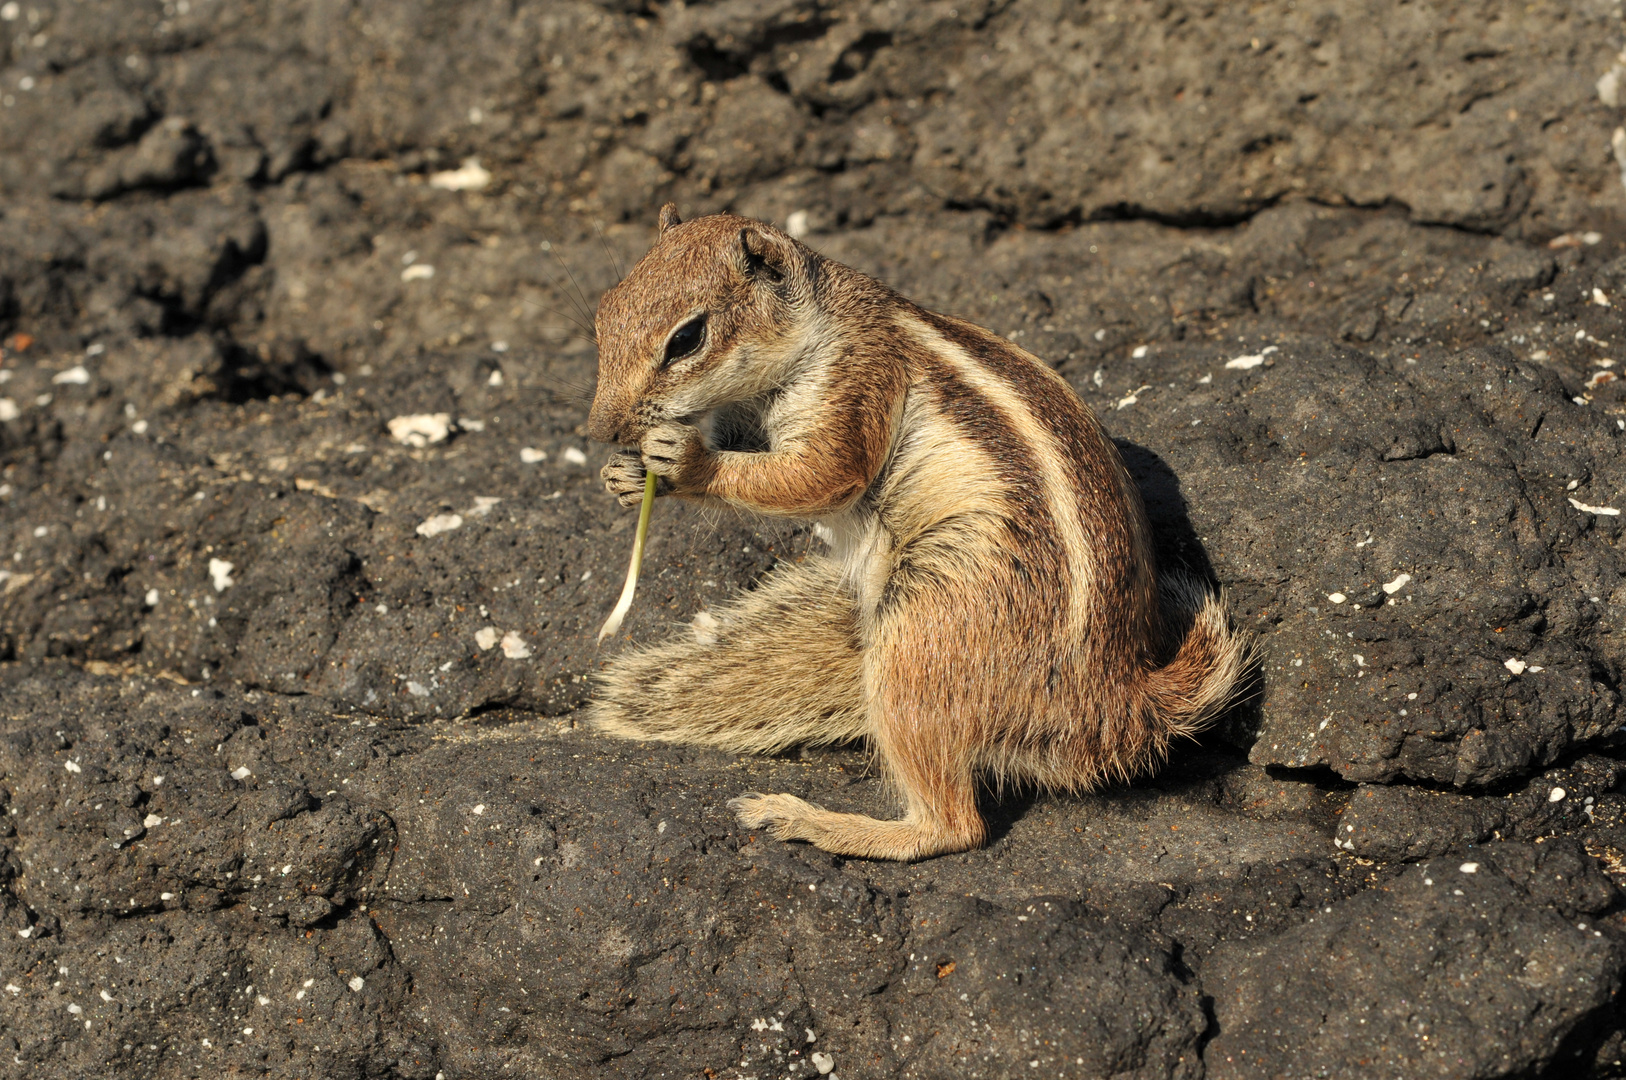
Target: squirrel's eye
(686,339)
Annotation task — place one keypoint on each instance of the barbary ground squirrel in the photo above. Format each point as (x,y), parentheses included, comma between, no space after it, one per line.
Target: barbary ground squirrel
(991,609)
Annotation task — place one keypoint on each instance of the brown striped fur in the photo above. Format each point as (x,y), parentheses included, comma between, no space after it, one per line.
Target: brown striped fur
(991,609)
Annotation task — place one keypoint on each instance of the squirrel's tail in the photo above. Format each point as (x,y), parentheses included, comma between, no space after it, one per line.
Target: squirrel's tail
(777,667)
(1206,675)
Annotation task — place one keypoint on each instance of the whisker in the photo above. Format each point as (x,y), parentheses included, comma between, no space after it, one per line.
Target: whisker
(615,263)
(580,298)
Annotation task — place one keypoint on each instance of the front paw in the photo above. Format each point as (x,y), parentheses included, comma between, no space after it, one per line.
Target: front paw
(623,477)
(677,454)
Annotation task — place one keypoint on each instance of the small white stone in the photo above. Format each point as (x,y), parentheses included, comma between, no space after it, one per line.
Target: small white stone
(418,272)
(152,821)
(530,455)
(72,766)
(1556,795)
(487,637)
(166,896)
(357,982)
(420,429)
(1606,511)
(1337,597)
(8,409)
(75,1009)
(1469,868)
(417,689)
(796,224)
(242,772)
(1515,665)
(1392,587)
(1243,363)
(74,376)
(152,597)
(574,456)
(514,646)
(822,1062)
(106,996)
(1138,352)
(470,177)
(440,523)
(220,573)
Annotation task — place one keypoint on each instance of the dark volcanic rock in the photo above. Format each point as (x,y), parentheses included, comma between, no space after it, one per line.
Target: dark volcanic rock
(302,549)
(1484,968)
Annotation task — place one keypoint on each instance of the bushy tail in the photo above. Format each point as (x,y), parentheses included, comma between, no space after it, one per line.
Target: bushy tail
(1207,673)
(777,667)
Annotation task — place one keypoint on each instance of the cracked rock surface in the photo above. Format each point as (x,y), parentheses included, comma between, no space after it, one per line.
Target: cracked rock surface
(302,550)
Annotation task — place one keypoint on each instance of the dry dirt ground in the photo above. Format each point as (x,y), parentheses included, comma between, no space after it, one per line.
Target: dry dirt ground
(291,781)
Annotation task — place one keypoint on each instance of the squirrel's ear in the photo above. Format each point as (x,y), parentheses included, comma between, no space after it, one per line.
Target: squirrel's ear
(761,256)
(669,217)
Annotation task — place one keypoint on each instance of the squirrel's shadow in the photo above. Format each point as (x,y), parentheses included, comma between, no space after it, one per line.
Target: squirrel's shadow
(1180,550)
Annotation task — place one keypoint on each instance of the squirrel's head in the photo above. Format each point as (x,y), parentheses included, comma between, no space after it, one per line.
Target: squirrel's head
(713,314)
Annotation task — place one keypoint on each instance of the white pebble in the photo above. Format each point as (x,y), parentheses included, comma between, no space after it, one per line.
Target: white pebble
(1392,587)
(357,982)
(106,996)
(440,523)
(166,896)
(1469,868)
(822,1062)
(530,455)
(418,272)
(75,1009)
(417,689)
(152,597)
(152,821)
(242,772)
(1556,795)
(220,573)
(1606,511)
(1515,665)
(486,637)
(74,376)
(471,177)
(8,409)
(72,766)
(1337,597)
(514,647)
(1243,363)
(575,456)
(1139,351)
(421,429)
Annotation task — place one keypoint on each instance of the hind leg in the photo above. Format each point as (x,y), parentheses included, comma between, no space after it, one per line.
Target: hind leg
(776,667)
(925,747)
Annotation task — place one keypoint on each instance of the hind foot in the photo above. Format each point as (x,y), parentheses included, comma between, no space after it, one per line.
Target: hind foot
(785,817)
